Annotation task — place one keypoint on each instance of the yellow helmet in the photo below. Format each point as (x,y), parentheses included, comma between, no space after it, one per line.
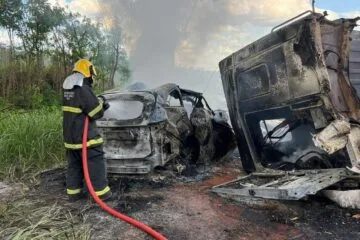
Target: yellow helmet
(84,67)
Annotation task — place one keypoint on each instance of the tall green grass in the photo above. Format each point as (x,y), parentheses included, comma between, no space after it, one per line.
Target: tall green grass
(30,141)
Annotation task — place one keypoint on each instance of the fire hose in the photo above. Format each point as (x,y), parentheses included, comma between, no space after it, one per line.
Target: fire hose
(103,205)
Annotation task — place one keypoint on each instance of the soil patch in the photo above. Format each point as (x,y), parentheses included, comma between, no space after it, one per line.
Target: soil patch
(185,208)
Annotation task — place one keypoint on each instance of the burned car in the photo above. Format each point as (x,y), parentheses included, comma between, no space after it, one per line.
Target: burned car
(148,128)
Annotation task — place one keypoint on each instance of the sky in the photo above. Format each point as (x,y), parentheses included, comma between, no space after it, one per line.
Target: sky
(340,6)
(182,41)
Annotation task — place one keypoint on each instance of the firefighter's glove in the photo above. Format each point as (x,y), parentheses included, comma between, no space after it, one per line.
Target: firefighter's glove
(106,105)
(102,99)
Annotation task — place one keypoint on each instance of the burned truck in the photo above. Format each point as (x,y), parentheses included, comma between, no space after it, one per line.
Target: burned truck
(293,106)
(286,89)
(148,128)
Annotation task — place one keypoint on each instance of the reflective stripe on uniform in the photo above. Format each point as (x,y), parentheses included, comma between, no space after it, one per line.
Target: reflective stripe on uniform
(102,192)
(71,109)
(73,191)
(96,110)
(89,143)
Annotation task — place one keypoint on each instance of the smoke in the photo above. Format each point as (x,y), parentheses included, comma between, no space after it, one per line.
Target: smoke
(182,41)
(155,35)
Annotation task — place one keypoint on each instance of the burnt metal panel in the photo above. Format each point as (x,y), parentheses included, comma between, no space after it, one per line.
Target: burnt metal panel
(354,61)
(124,143)
(281,185)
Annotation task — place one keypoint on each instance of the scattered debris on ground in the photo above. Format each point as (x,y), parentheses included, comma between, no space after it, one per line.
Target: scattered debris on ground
(179,207)
(345,199)
(9,192)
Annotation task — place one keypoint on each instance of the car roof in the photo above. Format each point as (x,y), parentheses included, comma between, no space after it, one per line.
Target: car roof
(163,90)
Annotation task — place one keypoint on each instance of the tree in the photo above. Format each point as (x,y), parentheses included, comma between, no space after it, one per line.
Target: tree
(113,59)
(82,37)
(37,22)
(115,44)
(10,17)
(52,39)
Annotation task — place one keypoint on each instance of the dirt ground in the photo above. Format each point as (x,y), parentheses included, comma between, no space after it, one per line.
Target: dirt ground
(185,208)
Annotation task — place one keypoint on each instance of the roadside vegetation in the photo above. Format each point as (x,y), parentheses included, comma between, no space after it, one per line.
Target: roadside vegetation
(44,41)
(30,140)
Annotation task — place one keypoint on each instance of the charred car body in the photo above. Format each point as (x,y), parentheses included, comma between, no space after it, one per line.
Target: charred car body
(144,129)
(292,106)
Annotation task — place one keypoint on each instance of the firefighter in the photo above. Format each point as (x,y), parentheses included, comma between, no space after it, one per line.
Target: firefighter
(79,101)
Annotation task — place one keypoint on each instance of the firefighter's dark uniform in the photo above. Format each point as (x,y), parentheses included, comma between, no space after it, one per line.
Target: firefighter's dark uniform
(79,101)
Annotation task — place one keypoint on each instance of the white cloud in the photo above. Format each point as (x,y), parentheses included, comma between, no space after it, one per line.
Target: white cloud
(93,9)
(352,14)
(208,38)
(89,8)
(245,21)
(267,11)
(249,20)
(219,45)
(4,39)
(331,15)
(60,3)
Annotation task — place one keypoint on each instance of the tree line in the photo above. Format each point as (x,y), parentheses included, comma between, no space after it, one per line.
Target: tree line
(44,42)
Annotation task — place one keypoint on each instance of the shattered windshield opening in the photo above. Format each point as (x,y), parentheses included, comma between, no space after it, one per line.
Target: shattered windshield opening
(281,139)
(124,110)
(189,104)
(275,131)
(174,99)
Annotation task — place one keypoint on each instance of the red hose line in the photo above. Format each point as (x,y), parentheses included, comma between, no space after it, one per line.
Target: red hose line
(103,205)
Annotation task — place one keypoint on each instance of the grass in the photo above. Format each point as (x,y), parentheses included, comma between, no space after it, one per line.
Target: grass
(30,141)
(37,220)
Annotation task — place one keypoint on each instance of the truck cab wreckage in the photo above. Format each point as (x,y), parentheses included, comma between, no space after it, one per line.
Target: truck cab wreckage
(294,109)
